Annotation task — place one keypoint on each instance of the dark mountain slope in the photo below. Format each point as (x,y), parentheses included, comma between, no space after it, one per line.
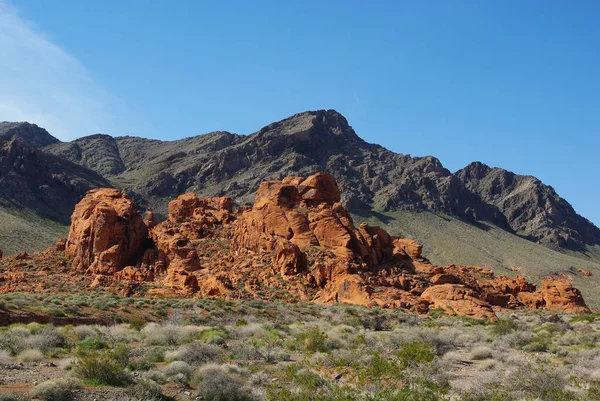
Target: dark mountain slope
(532,208)
(29,134)
(370,176)
(35,181)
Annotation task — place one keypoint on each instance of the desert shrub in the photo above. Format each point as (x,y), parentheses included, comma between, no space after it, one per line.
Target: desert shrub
(140,365)
(155,334)
(516,339)
(103,366)
(11,397)
(4,358)
(312,339)
(415,352)
(481,352)
(178,370)
(155,354)
(213,336)
(146,390)
(377,366)
(55,390)
(154,375)
(123,333)
(584,317)
(503,327)
(30,355)
(46,340)
(92,343)
(13,339)
(543,382)
(86,331)
(217,383)
(197,353)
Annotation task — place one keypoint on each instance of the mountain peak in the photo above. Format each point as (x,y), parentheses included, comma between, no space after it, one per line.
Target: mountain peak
(318,127)
(27,133)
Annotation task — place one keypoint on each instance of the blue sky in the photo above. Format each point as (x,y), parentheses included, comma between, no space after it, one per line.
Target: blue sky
(512,84)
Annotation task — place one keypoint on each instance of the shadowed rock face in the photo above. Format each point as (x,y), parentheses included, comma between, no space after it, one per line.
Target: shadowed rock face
(48,185)
(531,207)
(296,242)
(369,176)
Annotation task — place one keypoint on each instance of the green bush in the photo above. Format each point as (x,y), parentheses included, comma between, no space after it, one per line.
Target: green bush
(503,327)
(103,367)
(92,343)
(312,340)
(415,352)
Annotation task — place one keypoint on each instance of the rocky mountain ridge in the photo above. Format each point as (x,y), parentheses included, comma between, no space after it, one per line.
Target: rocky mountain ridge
(371,177)
(34,180)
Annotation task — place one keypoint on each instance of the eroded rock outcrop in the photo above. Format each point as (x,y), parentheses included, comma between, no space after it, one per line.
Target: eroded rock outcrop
(107,232)
(297,242)
(559,295)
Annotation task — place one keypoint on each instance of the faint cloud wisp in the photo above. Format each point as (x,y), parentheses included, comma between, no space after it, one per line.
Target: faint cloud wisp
(42,84)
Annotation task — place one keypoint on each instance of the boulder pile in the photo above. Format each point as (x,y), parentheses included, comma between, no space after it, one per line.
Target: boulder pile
(297,242)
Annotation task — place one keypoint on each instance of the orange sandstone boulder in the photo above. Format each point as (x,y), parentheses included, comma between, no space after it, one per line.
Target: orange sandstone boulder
(107,232)
(458,299)
(407,247)
(319,188)
(131,273)
(559,295)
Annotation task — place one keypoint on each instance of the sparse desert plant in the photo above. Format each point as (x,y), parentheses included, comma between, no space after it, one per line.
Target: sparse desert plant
(103,366)
(196,353)
(55,390)
(481,352)
(11,397)
(312,339)
(415,352)
(30,355)
(503,327)
(217,383)
(4,358)
(146,390)
(179,370)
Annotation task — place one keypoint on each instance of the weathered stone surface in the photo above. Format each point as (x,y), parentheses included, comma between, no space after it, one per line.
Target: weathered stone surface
(134,274)
(405,246)
(560,295)
(319,188)
(107,232)
(61,243)
(458,299)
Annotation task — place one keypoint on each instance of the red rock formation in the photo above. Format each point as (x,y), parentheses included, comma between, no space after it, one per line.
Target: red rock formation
(107,232)
(458,299)
(296,242)
(1,253)
(189,219)
(61,243)
(559,295)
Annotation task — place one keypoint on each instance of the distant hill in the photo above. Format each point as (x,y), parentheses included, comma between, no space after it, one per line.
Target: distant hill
(370,176)
(38,190)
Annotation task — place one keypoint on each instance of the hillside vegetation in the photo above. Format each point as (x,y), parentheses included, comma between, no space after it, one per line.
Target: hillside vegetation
(24,231)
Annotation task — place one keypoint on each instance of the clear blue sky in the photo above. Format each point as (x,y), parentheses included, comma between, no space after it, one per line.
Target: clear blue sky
(513,84)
